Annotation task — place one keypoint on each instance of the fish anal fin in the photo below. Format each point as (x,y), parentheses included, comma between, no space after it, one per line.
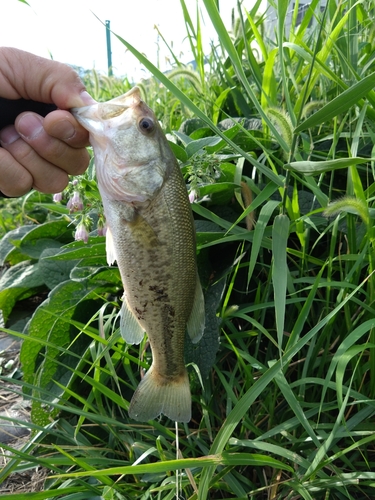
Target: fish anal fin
(131,330)
(196,321)
(155,396)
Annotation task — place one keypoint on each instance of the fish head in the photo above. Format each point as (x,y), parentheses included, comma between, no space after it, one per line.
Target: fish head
(132,155)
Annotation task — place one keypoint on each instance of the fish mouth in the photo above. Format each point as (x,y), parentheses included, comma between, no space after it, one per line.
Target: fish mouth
(91,117)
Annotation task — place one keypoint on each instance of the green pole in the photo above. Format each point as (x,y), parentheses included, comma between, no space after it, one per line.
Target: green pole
(109,52)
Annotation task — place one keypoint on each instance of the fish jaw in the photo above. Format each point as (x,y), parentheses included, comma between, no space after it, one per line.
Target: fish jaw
(131,154)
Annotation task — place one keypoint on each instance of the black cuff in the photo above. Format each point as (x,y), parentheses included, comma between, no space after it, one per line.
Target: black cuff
(11,108)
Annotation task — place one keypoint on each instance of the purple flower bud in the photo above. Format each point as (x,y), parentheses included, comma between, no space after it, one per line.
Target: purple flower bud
(75,203)
(81,233)
(102,230)
(75,182)
(101,225)
(57,197)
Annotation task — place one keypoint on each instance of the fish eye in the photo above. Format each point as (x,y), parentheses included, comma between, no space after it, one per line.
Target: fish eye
(146,125)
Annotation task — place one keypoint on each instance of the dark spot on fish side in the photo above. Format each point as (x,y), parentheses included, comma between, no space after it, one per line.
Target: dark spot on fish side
(141,283)
(162,297)
(170,310)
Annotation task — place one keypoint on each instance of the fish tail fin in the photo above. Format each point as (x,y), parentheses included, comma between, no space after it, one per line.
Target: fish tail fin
(156,394)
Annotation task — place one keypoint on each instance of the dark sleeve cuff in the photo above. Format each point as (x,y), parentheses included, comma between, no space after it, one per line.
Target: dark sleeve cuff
(11,108)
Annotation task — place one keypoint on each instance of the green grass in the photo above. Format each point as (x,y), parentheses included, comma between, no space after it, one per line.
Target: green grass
(284,407)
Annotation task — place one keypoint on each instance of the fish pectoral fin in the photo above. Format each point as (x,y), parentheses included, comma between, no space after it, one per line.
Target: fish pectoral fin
(143,233)
(110,248)
(196,321)
(131,330)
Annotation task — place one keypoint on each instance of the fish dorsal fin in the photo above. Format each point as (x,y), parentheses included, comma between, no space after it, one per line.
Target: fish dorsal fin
(196,321)
(110,248)
(131,330)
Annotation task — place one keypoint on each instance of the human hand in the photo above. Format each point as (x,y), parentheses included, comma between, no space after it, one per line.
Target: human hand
(40,152)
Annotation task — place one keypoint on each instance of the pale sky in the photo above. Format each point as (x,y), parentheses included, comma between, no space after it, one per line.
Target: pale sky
(69,31)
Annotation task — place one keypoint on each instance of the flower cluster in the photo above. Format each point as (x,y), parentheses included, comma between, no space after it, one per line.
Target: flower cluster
(202,169)
(82,203)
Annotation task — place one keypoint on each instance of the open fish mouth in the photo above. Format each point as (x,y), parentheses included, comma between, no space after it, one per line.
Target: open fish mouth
(87,115)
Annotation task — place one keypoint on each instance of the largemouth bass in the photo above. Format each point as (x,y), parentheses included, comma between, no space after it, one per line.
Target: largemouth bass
(151,236)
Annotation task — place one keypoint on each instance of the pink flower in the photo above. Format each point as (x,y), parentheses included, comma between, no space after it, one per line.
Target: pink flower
(192,196)
(75,203)
(81,233)
(57,197)
(102,230)
(101,226)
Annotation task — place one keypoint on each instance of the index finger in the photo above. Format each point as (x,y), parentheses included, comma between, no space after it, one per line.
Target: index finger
(32,77)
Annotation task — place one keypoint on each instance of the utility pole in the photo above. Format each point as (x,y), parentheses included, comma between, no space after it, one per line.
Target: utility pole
(109,51)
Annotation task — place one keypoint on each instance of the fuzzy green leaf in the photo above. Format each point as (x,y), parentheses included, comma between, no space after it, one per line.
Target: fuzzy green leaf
(203,354)
(53,272)
(19,282)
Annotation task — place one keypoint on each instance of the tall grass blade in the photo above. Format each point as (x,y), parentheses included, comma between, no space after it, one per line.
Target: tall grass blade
(280,233)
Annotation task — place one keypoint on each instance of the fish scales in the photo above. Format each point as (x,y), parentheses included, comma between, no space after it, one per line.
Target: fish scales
(159,273)
(151,235)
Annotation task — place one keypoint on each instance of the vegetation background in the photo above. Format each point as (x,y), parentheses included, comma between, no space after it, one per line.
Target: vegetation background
(283,382)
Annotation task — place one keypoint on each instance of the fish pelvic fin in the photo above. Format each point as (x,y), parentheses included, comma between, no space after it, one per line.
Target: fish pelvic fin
(110,247)
(131,330)
(156,394)
(196,322)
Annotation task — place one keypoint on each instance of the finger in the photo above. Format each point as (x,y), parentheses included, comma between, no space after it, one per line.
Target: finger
(32,77)
(62,125)
(72,160)
(45,176)
(15,180)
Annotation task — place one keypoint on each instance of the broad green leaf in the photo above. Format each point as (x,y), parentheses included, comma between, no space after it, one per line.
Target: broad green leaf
(194,146)
(19,282)
(46,325)
(54,272)
(203,354)
(60,230)
(8,251)
(178,151)
(94,249)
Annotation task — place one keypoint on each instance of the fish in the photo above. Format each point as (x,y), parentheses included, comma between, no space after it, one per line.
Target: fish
(151,235)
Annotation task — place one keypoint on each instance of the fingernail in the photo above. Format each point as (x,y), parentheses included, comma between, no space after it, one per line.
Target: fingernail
(8,135)
(30,126)
(86,98)
(62,130)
